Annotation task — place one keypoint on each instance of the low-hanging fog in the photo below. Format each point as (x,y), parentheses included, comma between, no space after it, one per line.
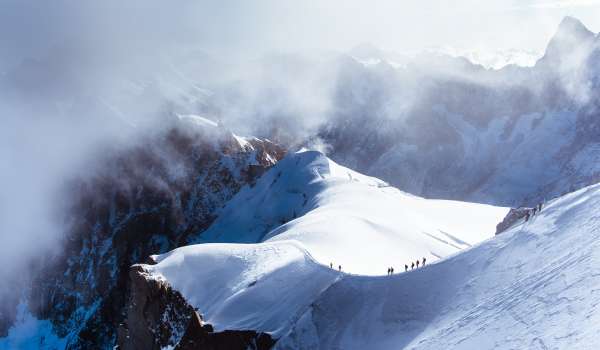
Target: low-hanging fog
(76,77)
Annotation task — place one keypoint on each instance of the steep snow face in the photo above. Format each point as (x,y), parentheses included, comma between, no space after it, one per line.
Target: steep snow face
(333,211)
(535,286)
(343,217)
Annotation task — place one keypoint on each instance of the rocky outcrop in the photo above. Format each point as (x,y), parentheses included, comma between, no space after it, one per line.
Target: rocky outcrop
(201,337)
(158,316)
(514,215)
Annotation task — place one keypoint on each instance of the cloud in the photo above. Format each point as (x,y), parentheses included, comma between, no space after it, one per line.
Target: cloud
(564,4)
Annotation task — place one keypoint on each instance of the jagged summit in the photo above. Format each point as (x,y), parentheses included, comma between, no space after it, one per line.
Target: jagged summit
(574,27)
(571,38)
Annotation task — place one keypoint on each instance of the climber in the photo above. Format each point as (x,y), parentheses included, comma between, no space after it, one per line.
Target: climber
(412,266)
(340,267)
(424,261)
(417,263)
(331,265)
(405,267)
(526,216)
(389,271)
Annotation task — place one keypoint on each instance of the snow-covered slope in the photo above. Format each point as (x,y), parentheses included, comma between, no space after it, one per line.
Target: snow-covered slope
(333,211)
(246,286)
(533,287)
(343,217)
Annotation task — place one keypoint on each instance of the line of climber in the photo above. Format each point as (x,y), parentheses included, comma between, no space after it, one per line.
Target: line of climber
(339,267)
(390,270)
(412,266)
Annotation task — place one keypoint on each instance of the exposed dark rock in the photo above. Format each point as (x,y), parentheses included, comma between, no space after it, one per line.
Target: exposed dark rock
(158,316)
(511,218)
(204,339)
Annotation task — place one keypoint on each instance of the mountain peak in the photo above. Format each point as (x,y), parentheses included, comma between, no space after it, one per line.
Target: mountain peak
(572,27)
(571,36)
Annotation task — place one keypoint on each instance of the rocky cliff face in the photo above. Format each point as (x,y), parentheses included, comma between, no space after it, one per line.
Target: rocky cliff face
(143,200)
(158,317)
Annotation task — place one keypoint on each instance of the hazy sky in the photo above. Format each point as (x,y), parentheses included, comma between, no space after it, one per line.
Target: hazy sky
(407,25)
(28,27)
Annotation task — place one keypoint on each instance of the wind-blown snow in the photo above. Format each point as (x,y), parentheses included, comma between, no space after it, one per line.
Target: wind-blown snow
(212,126)
(342,217)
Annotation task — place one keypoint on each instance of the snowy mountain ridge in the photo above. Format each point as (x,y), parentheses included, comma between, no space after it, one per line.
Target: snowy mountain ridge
(341,217)
(493,294)
(369,55)
(332,210)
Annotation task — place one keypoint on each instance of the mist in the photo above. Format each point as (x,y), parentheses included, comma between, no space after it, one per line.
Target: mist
(76,76)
